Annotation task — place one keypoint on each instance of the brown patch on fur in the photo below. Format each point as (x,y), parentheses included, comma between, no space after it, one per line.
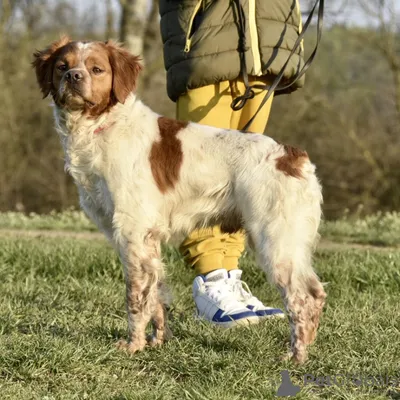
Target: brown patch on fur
(125,67)
(166,156)
(43,64)
(292,162)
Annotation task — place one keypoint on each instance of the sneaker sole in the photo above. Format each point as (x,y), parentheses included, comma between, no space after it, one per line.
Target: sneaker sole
(237,323)
(272,316)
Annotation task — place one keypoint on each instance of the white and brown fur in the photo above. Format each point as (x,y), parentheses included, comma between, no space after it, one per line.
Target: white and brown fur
(144,178)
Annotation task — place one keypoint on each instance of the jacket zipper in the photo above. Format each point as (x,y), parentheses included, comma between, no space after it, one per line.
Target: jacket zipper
(300,23)
(254,38)
(188,42)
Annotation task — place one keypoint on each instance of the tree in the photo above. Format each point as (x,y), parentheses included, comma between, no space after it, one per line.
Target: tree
(384,15)
(109,20)
(140,34)
(134,19)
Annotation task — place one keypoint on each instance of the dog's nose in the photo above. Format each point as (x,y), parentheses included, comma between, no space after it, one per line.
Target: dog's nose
(74,76)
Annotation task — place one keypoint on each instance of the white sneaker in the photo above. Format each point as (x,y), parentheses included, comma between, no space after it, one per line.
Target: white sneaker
(217,302)
(243,294)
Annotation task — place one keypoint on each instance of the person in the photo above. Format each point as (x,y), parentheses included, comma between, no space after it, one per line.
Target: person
(202,57)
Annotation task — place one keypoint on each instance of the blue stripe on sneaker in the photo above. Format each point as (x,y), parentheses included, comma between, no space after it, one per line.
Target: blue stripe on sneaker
(234,317)
(272,311)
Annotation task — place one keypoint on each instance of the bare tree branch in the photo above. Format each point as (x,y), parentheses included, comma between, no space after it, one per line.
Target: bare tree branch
(133,24)
(384,12)
(152,48)
(109,20)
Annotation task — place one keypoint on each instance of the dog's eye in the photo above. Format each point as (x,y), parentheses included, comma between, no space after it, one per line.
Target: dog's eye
(97,70)
(62,67)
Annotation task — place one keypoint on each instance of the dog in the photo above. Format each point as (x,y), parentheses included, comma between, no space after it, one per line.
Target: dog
(145,178)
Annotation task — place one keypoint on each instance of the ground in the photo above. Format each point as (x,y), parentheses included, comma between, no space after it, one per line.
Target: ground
(62,310)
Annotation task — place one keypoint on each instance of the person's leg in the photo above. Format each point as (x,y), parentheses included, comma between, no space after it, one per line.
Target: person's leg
(219,294)
(235,242)
(204,249)
(207,105)
(207,249)
(260,122)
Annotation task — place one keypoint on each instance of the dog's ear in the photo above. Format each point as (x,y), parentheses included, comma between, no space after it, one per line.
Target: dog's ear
(43,63)
(125,68)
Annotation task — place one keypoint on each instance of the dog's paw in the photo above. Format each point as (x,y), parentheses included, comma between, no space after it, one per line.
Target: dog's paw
(131,347)
(159,337)
(152,341)
(296,357)
(300,357)
(287,357)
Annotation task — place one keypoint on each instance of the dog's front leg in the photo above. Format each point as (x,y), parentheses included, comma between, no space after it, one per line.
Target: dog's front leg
(142,268)
(96,214)
(161,331)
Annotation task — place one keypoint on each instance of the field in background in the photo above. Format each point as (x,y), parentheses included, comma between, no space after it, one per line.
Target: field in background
(62,309)
(346,116)
(380,229)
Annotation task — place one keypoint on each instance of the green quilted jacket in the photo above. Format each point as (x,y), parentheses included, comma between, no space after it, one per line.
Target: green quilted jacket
(201,39)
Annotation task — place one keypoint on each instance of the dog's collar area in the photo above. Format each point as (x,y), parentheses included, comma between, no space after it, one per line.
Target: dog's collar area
(103,127)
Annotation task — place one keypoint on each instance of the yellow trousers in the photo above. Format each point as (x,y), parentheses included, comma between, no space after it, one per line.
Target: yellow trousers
(209,249)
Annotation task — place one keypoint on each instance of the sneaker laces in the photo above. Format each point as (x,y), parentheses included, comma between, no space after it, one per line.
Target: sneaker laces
(244,292)
(223,293)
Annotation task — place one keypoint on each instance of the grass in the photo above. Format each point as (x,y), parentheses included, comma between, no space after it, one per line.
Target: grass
(381,229)
(62,310)
(70,220)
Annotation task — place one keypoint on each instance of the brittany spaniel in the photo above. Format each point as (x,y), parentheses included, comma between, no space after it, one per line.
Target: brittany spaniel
(144,178)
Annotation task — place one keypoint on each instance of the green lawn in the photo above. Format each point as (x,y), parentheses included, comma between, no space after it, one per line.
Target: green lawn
(62,309)
(381,229)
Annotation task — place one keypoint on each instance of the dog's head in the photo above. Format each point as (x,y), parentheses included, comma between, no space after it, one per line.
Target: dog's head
(86,76)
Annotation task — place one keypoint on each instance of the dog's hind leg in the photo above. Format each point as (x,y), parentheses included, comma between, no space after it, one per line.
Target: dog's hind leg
(288,263)
(304,298)
(284,237)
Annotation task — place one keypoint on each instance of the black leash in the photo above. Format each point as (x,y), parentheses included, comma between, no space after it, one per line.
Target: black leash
(239,102)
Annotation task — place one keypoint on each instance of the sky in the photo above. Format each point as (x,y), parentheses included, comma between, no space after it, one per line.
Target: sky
(345,11)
